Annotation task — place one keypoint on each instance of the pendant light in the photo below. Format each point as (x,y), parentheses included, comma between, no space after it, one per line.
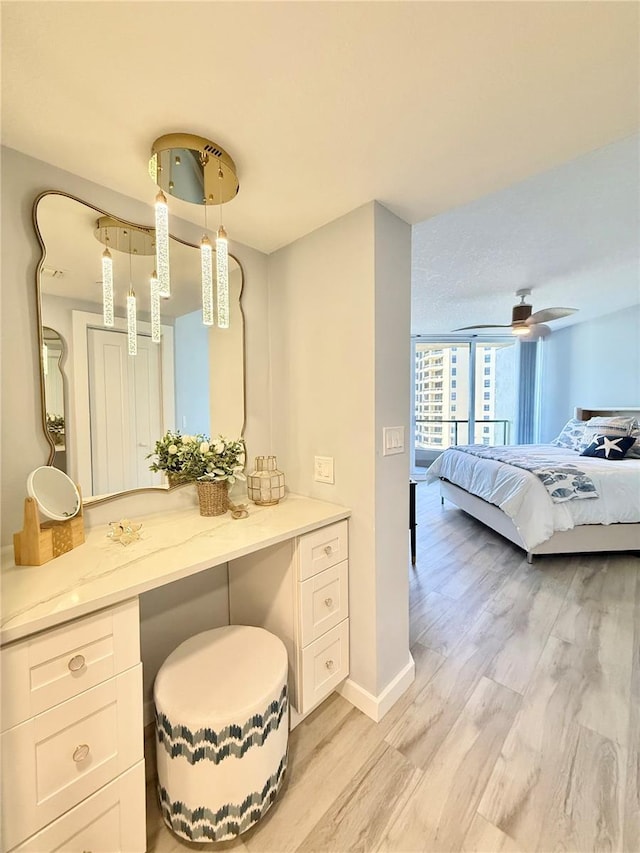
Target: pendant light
(222,267)
(199,171)
(131,240)
(107,288)
(206,263)
(132,319)
(132,323)
(162,244)
(154,293)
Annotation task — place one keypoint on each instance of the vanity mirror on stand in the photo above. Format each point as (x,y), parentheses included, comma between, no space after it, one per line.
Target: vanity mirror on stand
(103,408)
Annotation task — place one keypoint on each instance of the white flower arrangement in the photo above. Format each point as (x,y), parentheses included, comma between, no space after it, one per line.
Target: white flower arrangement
(186,458)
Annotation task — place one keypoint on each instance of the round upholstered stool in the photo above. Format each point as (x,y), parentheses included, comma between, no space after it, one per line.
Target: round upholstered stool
(222,731)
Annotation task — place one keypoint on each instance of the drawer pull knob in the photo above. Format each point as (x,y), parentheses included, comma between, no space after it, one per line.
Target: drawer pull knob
(329,664)
(328,602)
(76,663)
(328,550)
(80,752)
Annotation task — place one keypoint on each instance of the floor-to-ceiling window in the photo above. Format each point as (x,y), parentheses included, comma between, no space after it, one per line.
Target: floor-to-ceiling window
(464,393)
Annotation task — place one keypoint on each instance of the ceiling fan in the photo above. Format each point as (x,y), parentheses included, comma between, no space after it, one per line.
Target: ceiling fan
(523,321)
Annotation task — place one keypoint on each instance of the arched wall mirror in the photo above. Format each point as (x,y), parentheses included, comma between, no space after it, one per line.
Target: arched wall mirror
(115,405)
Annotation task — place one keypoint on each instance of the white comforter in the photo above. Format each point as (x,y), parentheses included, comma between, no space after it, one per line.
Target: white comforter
(521,495)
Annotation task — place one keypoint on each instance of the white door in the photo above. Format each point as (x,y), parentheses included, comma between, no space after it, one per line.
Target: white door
(125,411)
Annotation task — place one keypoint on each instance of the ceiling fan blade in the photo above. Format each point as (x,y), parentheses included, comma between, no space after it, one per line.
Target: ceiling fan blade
(548,314)
(487,326)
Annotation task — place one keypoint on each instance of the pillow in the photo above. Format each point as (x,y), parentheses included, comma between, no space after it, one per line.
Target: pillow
(609,446)
(604,426)
(634,451)
(570,435)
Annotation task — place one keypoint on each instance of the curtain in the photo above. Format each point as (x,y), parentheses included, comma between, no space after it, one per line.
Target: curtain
(525,417)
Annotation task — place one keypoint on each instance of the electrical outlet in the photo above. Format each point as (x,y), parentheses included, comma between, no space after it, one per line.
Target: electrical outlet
(323,469)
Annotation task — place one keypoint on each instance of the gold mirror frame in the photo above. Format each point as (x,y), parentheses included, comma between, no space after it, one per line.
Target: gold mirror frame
(40,335)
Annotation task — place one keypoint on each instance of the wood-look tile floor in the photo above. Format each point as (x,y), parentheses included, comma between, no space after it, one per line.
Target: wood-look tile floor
(521,731)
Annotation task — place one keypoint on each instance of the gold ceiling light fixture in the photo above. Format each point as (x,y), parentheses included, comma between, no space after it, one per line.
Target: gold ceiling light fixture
(197,170)
(131,240)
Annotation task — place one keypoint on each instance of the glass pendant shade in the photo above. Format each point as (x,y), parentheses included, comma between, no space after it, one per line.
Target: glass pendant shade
(162,244)
(265,485)
(107,288)
(155,309)
(132,324)
(206,260)
(222,275)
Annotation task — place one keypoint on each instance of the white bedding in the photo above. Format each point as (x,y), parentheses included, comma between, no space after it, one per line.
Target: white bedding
(521,495)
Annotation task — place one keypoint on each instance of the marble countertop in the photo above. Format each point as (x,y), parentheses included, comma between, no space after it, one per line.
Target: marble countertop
(173,545)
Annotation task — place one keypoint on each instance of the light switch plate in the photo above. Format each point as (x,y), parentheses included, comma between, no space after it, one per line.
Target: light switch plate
(392,440)
(323,469)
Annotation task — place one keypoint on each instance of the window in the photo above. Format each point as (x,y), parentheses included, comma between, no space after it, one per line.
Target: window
(454,358)
(487,395)
(487,357)
(487,383)
(486,407)
(487,371)
(453,395)
(485,440)
(485,417)
(454,383)
(454,371)
(485,430)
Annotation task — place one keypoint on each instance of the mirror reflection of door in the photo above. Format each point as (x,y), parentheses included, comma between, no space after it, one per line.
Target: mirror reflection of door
(125,410)
(53,351)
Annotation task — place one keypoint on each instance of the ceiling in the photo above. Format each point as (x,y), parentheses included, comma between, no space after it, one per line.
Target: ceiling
(323,105)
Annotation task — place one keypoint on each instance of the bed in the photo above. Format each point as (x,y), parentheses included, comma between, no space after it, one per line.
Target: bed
(515,503)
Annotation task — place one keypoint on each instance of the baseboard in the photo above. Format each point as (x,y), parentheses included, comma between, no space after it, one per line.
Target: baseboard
(377,706)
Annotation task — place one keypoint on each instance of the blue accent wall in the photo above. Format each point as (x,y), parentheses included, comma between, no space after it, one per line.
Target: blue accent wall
(595,364)
(192,374)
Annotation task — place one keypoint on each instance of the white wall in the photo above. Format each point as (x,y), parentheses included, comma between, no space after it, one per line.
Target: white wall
(23,446)
(592,365)
(339,307)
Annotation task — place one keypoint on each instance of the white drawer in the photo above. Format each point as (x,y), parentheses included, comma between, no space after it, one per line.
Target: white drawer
(112,819)
(44,772)
(51,667)
(324,602)
(321,549)
(325,663)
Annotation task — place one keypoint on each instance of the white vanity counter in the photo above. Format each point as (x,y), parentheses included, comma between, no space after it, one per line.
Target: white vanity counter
(174,545)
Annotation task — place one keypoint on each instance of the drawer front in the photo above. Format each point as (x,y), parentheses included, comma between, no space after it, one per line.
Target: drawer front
(53,761)
(51,667)
(112,819)
(324,602)
(325,663)
(322,549)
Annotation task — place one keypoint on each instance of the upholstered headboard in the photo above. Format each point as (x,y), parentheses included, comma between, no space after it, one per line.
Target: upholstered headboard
(585,414)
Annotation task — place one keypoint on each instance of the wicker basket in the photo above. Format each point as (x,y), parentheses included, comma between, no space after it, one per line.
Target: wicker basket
(212,496)
(178,479)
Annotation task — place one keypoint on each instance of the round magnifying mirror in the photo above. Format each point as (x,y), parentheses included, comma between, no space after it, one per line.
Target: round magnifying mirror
(56,494)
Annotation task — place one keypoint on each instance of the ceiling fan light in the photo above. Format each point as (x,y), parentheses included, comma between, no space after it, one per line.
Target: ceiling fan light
(521,331)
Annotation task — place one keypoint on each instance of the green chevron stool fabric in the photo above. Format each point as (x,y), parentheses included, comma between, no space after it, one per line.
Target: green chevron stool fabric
(222,731)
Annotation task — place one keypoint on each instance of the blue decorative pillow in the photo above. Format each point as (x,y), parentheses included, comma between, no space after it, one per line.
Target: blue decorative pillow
(609,446)
(571,434)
